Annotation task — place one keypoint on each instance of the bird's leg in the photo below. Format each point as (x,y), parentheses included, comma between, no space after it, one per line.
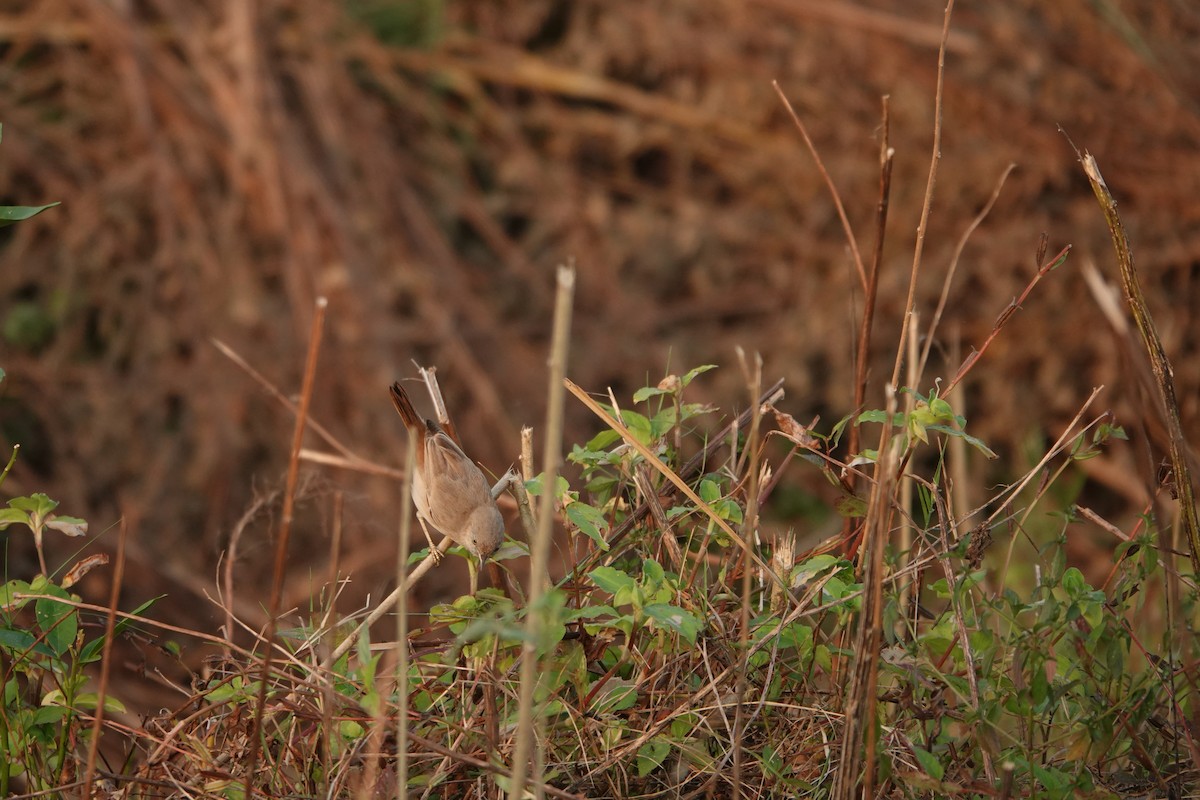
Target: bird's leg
(433,550)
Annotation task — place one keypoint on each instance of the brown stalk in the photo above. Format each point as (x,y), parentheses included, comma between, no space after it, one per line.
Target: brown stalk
(1157,356)
(862,356)
(285,532)
(331,579)
(402,619)
(837,198)
(110,622)
(261,380)
(230,558)
(861,707)
(1044,268)
(954,260)
(749,530)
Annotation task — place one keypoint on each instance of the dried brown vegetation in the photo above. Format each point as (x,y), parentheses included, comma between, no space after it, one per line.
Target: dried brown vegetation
(221,165)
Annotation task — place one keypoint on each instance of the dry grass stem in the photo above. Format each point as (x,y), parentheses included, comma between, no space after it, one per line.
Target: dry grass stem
(527,728)
(1181,471)
(281,545)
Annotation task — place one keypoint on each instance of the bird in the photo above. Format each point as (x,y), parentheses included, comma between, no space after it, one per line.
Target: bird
(449,491)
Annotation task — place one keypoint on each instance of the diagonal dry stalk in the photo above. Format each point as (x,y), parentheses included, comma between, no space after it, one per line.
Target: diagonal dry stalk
(1156,355)
(1045,267)
(673,477)
(833,192)
(262,381)
(954,261)
(769,397)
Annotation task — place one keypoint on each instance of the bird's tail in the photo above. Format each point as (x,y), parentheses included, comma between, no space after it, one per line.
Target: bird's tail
(403,405)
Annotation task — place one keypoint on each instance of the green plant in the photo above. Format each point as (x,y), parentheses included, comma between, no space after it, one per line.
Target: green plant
(10,215)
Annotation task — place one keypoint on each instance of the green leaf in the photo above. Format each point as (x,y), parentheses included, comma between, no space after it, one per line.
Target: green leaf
(709,491)
(817,565)
(603,440)
(879,415)
(20,641)
(57,620)
(49,714)
(612,580)
(728,510)
(689,410)
(617,695)
(929,763)
(823,658)
(663,422)
(638,425)
(590,521)
(941,409)
(1053,779)
(651,755)
(1103,433)
(38,504)
(534,486)
(850,506)
(798,636)
(1073,582)
(589,612)
(971,440)
(652,573)
(675,619)
(684,724)
(92,650)
(646,392)
(926,498)
(90,700)
(695,371)
(918,429)
(13,214)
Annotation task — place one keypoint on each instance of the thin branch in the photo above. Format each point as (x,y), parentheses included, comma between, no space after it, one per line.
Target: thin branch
(261,380)
(285,532)
(954,260)
(862,355)
(837,198)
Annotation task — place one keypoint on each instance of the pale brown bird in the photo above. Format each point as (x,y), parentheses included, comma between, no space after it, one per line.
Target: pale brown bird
(449,491)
